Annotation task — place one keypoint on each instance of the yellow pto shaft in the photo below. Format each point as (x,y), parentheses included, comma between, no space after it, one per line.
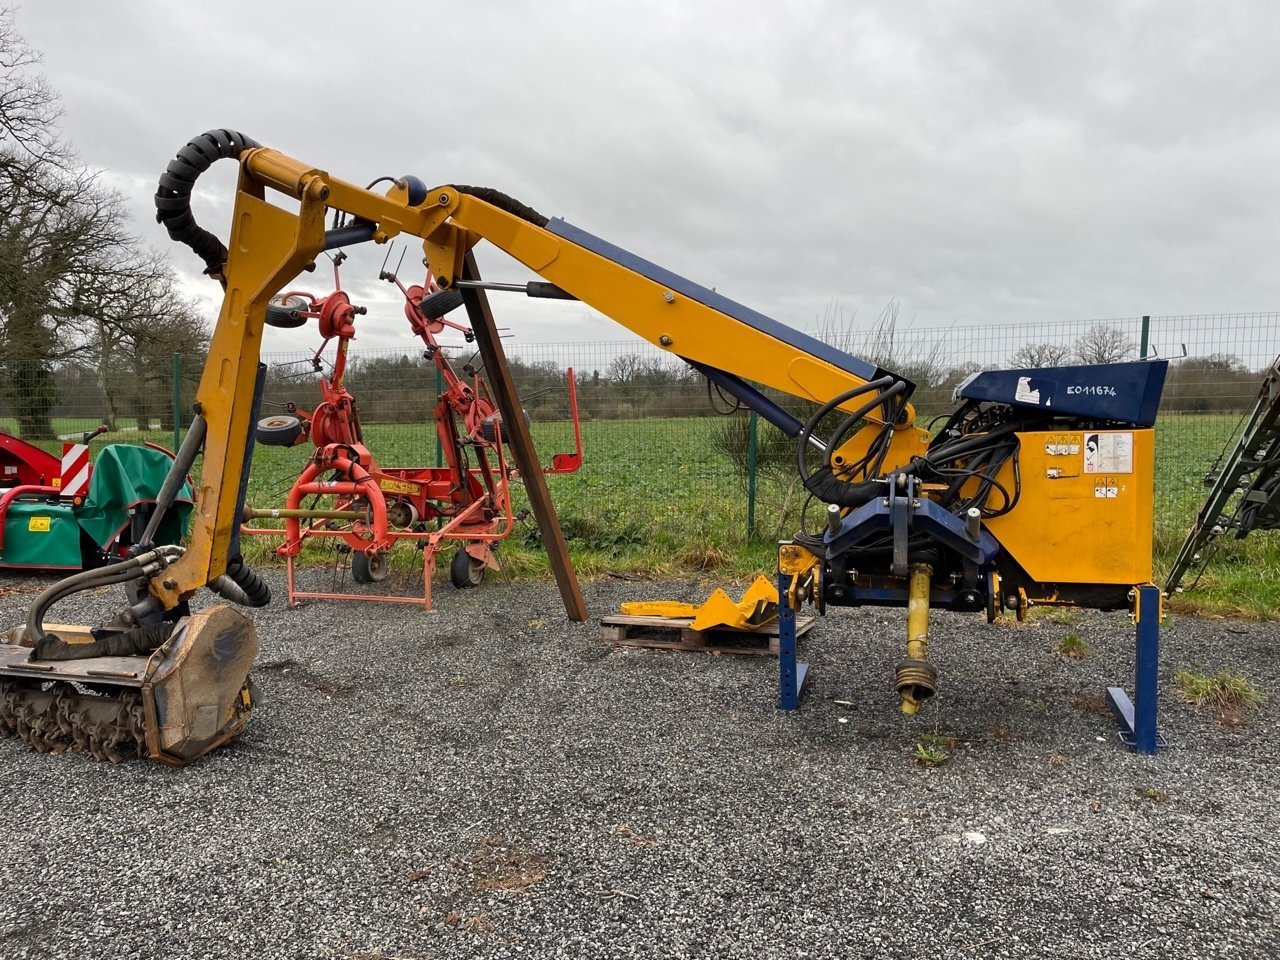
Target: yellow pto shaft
(915,678)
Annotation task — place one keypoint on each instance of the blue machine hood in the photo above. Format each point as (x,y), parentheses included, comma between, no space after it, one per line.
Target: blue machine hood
(1120,392)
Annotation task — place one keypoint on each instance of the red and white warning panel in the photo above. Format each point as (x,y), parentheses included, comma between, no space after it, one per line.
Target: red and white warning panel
(75,470)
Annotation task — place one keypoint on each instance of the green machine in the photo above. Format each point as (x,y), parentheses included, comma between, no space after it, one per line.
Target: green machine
(64,515)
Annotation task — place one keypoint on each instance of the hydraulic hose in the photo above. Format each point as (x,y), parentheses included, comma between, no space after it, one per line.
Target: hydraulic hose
(127,643)
(823,483)
(114,573)
(503,202)
(848,423)
(173,209)
(173,196)
(241,585)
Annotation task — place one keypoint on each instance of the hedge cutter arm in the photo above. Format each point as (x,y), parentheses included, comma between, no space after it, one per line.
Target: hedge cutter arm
(269,246)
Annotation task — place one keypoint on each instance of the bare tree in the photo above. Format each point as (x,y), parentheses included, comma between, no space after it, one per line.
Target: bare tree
(1034,355)
(1102,343)
(74,286)
(29,107)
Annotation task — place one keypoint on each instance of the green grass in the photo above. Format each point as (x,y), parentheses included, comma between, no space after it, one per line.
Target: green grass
(1073,647)
(654,497)
(651,497)
(1224,691)
(932,750)
(1243,576)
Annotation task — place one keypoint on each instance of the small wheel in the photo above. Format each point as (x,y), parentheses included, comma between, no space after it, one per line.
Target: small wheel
(282,430)
(490,432)
(367,569)
(436,305)
(466,571)
(283,312)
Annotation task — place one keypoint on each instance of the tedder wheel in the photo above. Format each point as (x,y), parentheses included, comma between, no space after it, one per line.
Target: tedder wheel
(465,570)
(439,303)
(278,431)
(283,311)
(366,569)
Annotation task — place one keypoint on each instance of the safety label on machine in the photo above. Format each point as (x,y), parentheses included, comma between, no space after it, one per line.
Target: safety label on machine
(1108,453)
(1106,488)
(38,525)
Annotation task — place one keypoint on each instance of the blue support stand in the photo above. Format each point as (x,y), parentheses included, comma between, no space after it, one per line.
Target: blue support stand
(1137,719)
(792,674)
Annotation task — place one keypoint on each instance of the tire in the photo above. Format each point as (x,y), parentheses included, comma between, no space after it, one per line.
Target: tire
(283,312)
(439,303)
(281,430)
(490,434)
(369,570)
(465,571)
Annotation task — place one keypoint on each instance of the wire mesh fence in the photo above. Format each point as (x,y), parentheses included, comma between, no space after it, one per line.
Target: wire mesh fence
(660,465)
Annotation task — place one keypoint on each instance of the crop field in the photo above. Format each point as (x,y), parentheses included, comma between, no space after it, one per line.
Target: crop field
(657,497)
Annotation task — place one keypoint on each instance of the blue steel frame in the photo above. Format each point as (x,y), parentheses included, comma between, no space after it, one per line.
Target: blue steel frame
(1137,718)
(792,673)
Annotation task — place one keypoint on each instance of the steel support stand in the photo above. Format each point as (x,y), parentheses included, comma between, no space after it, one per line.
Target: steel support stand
(516,431)
(792,673)
(1137,718)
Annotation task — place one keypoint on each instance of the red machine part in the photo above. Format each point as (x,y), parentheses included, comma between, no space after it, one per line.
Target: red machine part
(27,472)
(469,503)
(22,464)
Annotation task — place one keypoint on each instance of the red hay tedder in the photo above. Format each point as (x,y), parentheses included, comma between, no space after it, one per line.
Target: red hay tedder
(467,499)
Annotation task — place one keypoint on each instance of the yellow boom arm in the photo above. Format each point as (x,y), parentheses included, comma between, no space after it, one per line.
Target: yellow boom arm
(269,246)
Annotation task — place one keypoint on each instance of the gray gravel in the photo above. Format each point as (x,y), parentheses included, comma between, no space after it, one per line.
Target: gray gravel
(492,781)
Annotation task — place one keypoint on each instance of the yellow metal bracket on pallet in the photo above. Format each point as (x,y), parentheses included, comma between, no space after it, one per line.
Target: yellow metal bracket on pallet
(758,606)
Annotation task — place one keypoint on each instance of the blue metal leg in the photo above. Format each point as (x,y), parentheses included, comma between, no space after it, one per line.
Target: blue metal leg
(792,674)
(1138,718)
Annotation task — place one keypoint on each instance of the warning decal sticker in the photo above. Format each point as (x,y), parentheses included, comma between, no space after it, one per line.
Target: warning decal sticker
(1108,453)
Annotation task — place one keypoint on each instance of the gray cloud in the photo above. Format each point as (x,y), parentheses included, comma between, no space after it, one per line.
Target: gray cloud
(982,163)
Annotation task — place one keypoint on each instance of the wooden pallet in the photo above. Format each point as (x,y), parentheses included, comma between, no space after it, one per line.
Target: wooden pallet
(677,633)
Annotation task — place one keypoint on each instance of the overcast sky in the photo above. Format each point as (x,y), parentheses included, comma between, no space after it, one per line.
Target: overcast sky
(981,163)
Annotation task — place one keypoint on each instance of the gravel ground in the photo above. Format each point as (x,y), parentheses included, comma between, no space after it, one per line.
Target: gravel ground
(492,781)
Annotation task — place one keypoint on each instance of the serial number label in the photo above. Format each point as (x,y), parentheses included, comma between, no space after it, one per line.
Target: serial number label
(1097,390)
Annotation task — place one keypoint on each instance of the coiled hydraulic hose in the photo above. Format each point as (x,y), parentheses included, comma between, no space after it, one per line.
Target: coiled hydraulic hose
(240,584)
(173,196)
(823,483)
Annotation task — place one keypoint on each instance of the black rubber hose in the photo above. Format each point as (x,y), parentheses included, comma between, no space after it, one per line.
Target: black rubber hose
(115,573)
(806,432)
(256,591)
(504,202)
(173,196)
(823,483)
(829,488)
(852,420)
(128,643)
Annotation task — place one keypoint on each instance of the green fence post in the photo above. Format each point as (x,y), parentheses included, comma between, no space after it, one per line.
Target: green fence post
(1146,336)
(177,401)
(439,390)
(751,475)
